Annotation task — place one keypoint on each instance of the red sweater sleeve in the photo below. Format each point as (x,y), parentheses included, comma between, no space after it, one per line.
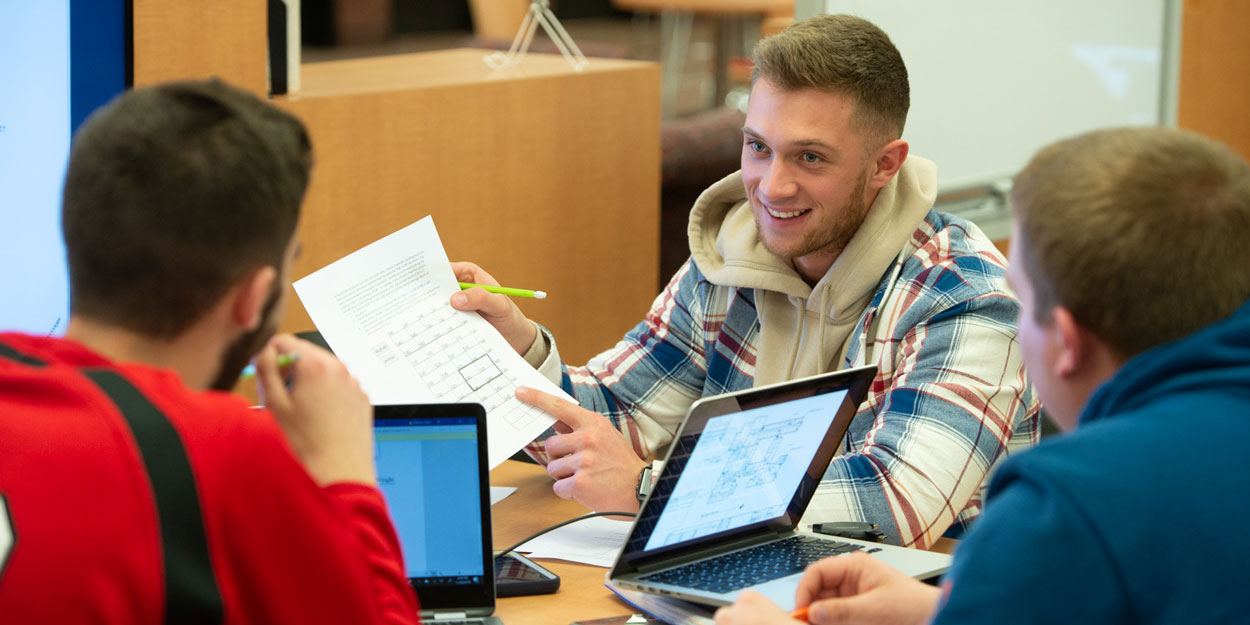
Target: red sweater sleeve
(286,550)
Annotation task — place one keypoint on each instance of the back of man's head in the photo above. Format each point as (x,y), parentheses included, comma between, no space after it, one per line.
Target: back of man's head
(841,54)
(173,193)
(1139,232)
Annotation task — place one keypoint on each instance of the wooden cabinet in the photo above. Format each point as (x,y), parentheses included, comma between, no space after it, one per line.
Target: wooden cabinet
(180,39)
(546,177)
(1215,71)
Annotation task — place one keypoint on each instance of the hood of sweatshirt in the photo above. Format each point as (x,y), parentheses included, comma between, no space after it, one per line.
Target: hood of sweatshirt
(1213,359)
(804,329)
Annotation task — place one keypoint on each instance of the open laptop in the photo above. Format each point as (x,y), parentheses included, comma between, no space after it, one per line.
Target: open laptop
(432,470)
(743,467)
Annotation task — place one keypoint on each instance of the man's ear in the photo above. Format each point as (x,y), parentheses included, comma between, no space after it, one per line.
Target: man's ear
(890,158)
(251,295)
(1073,344)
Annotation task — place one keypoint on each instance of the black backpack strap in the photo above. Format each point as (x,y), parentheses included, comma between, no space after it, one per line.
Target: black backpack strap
(9,353)
(191,593)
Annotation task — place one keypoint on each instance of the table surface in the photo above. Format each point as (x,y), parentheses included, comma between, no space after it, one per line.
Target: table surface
(434,69)
(715,7)
(533,507)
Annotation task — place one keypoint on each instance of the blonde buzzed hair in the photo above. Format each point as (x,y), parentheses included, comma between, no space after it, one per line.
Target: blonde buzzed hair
(841,54)
(1139,232)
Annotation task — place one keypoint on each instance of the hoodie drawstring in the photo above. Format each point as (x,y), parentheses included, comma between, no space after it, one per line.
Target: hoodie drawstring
(870,333)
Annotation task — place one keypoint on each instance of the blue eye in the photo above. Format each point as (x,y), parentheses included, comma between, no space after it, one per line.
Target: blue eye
(808,157)
(756,145)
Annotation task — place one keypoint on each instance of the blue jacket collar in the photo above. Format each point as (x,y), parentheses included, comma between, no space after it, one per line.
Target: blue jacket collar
(1215,356)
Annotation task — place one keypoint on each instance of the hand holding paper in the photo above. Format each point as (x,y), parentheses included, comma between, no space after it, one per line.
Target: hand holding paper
(497,309)
(385,311)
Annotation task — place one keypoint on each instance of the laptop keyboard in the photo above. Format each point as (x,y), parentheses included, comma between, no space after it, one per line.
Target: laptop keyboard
(748,567)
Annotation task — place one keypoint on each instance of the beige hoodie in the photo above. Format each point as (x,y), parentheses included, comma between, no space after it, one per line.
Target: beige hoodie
(804,329)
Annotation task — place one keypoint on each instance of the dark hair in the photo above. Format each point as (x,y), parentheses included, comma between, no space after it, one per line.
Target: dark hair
(1139,232)
(173,193)
(841,54)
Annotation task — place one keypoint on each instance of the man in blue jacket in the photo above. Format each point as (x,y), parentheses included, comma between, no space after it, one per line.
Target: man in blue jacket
(1129,260)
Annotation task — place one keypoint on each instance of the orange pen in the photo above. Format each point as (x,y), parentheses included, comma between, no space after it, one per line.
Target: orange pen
(799,614)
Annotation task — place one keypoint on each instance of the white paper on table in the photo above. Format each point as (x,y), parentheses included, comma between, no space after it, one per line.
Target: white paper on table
(384,310)
(499,493)
(596,541)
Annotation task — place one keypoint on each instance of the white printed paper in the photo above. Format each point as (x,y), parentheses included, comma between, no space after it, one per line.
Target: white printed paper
(595,541)
(384,310)
(499,493)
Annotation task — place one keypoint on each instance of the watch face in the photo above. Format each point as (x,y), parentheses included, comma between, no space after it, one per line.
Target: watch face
(644,483)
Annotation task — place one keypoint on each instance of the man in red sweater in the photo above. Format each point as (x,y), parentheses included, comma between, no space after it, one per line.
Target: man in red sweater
(133,487)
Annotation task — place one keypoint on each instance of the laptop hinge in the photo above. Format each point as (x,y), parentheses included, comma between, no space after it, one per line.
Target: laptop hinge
(445,616)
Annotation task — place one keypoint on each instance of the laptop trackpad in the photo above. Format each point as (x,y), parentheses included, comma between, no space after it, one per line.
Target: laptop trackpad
(780,591)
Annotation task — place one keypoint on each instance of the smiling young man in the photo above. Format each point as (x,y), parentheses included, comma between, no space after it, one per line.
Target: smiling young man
(823,253)
(1128,256)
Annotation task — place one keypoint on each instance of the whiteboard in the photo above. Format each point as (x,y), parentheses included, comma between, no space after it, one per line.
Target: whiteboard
(992,81)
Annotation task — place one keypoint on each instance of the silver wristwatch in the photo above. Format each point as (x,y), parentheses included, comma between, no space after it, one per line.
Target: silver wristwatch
(644,483)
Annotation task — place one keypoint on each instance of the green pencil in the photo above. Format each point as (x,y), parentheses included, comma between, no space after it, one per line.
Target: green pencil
(284,360)
(503,290)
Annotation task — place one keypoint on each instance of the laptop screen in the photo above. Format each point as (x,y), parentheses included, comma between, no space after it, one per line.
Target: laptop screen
(744,468)
(744,463)
(431,470)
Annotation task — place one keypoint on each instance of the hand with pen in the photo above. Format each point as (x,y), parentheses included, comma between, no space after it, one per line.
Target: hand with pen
(852,588)
(325,415)
(590,460)
(497,309)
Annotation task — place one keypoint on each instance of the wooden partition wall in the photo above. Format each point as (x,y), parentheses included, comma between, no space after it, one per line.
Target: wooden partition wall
(177,39)
(1215,71)
(547,177)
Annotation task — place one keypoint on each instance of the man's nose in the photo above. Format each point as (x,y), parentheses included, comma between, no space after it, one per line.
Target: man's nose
(778,182)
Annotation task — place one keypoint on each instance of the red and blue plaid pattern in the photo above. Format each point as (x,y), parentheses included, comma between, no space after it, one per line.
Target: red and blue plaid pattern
(949,402)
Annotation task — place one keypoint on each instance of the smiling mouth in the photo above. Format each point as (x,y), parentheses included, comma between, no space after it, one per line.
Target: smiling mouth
(786,214)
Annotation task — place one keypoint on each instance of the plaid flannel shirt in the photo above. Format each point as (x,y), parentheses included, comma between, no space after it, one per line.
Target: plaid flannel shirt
(949,401)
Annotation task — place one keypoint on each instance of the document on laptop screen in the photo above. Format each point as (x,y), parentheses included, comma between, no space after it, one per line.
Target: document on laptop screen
(745,468)
(424,471)
(384,310)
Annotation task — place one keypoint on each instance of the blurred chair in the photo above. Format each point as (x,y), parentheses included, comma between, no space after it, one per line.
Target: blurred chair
(497,19)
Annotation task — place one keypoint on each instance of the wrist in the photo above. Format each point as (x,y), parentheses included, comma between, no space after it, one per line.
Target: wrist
(327,469)
(536,349)
(527,337)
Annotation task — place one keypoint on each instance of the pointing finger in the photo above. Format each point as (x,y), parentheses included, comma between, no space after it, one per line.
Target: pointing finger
(563,410)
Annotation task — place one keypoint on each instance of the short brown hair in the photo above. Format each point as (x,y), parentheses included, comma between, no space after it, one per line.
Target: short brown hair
(172,194)
(1139,232)
(841,54)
